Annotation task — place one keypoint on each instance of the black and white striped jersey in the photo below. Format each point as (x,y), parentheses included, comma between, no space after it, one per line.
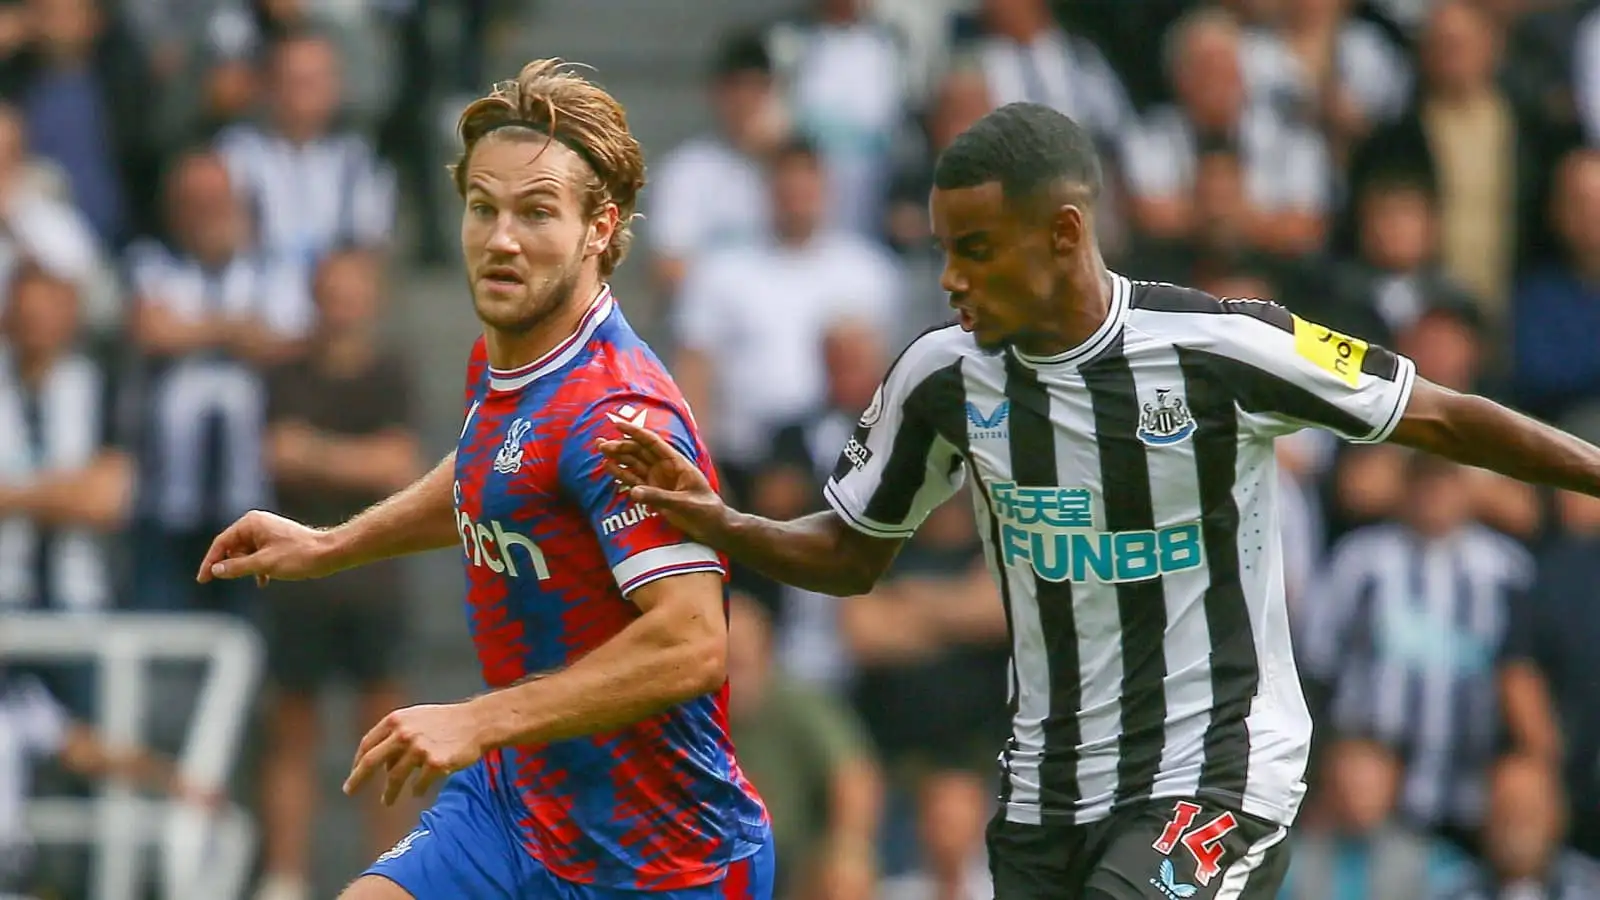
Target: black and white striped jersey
(1126,492)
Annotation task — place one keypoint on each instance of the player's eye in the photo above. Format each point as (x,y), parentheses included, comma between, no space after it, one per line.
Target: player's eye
(974,247)
(538,214)
(482,210)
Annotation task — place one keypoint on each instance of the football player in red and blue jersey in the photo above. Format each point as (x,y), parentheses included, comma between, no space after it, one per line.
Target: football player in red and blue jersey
(598,764)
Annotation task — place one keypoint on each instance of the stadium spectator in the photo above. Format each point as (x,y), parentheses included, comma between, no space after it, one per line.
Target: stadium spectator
(789,483)
(1353,847)
(843,74)
(67,478)
(339,438)
(924,28)
(309,185)
(961,97)
(1522,842)
(750,318)
(1464,134)
(711,190)
(1410,618)
(936,619)
(1319,65)
(1547,677)
(82,83)
(1396,269)
(41,224)
(1286,168)
(209,70)
(814,763)
(1221,244)
(1025,54)
(1556,310)
(1586,75)
(209,314)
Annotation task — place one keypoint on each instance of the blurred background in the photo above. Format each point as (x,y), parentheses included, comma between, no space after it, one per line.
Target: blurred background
(227,251)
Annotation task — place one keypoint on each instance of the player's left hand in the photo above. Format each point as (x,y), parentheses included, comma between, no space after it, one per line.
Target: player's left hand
(432,741)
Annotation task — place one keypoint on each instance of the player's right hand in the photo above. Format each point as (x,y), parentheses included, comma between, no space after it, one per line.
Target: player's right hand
(267,546)
(655,474)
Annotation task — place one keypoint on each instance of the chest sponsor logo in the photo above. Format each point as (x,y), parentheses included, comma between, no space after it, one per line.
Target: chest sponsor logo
(1053,531)
(503,551)
(508,459)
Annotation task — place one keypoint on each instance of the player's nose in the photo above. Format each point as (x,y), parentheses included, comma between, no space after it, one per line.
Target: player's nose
(951,281)
(502,239)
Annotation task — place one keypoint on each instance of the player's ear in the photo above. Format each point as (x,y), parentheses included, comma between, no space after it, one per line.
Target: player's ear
(602,227)
(1068,228)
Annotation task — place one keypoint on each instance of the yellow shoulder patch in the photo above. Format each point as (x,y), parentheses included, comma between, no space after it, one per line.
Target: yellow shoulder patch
(1338,354)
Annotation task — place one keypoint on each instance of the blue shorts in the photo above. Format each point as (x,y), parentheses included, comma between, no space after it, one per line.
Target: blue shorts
(463,850)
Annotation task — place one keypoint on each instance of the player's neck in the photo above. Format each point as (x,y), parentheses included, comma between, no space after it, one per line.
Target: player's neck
(512,350)
(1081,308)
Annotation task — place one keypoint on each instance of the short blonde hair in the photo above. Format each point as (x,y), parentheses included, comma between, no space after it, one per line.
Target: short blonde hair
(547,96)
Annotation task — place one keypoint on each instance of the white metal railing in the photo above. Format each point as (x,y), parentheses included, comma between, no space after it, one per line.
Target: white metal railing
(205,854)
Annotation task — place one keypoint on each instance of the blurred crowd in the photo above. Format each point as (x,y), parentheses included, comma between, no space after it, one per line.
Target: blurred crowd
(199,200)
(1421,174)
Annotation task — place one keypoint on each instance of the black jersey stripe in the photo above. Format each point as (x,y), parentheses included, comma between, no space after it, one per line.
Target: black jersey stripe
(1380,363)
(1032,446)
(924,420)
(863,432)
(1259,391)
(1235,673)
(1141,605)
(1175,299)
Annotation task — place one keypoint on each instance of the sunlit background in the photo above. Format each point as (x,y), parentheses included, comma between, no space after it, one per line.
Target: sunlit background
(227,251)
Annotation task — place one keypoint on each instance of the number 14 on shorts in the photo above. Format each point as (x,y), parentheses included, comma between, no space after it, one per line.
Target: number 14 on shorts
(1204,843)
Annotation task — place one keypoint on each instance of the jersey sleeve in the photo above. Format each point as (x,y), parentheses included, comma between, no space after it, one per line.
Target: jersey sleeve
(897,468)
(639,545)
(1289,373)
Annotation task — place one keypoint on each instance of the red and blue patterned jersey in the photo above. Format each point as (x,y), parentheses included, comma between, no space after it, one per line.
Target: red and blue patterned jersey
(552,550)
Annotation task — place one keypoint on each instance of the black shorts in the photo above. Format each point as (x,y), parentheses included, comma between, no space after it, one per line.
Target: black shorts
(1161,850)
(317,632)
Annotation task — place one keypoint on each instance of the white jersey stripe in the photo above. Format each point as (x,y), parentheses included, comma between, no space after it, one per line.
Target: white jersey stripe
(1187,639)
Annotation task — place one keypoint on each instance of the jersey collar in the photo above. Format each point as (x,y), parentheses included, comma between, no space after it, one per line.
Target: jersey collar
(1116,317)
(563,353)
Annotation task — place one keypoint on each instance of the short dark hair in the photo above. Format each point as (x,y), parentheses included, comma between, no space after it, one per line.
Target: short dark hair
(741,52)
(795,148)
(1400,179)
(1024,146)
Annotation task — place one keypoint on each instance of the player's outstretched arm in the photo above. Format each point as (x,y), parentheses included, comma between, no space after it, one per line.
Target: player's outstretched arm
(819,552)
(267,546)
(1476,431)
